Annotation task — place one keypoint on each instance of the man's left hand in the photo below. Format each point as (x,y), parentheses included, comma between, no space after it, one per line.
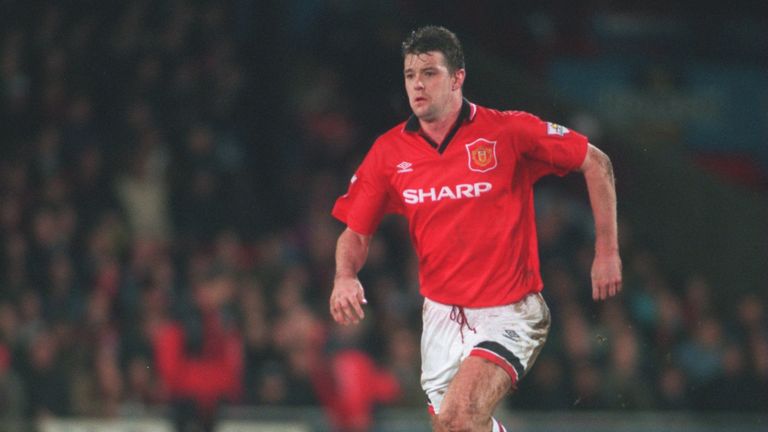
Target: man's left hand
(606,276)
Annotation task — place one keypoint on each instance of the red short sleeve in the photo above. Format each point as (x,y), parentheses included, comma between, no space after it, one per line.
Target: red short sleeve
(557,149)
(368,198)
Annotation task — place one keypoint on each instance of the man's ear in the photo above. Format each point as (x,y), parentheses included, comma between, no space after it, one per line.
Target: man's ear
(458,79)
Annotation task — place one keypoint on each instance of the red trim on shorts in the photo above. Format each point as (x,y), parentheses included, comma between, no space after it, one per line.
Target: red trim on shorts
(501,426)
(431,410)
(497,360)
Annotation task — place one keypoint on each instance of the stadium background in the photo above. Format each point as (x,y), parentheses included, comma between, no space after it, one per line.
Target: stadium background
(168,168)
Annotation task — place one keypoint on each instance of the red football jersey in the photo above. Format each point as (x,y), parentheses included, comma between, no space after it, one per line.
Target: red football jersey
(468,201)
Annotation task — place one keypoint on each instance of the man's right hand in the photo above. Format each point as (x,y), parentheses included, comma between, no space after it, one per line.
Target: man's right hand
(346,300)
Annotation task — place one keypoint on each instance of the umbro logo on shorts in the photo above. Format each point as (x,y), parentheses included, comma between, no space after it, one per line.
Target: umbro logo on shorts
(511,334)
(404,167)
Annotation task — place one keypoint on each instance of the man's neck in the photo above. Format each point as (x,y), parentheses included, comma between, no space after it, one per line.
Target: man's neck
(438,129)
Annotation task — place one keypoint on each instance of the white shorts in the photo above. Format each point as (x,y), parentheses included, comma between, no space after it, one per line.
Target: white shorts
(510,336)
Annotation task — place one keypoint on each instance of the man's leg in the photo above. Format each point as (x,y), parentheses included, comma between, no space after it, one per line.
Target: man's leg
(472,396)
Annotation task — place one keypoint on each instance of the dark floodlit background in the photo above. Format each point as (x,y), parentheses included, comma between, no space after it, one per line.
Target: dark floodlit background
(167,169)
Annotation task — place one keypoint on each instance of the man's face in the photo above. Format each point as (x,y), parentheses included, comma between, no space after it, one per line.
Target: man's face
(430,85)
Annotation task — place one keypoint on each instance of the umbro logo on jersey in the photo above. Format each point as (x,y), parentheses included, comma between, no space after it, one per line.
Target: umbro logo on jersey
(404,167)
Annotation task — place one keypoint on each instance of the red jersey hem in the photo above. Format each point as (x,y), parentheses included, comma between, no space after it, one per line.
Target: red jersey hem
(474,304)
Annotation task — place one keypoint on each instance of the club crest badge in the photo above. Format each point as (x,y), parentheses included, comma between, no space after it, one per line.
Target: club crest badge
(482,155)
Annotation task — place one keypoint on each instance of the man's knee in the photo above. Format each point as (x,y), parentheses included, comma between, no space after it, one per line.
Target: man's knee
(465,419)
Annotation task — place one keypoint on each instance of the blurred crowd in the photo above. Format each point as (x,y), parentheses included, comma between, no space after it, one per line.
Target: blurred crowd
(166,175)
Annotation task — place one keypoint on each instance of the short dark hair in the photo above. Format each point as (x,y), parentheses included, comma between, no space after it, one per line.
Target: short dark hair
(436,38)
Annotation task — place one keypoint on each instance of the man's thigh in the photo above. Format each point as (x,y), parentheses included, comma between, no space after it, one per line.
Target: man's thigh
(475,391)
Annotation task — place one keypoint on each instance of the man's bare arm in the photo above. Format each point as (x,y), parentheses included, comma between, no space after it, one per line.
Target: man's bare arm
(606,268)
(347,295)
